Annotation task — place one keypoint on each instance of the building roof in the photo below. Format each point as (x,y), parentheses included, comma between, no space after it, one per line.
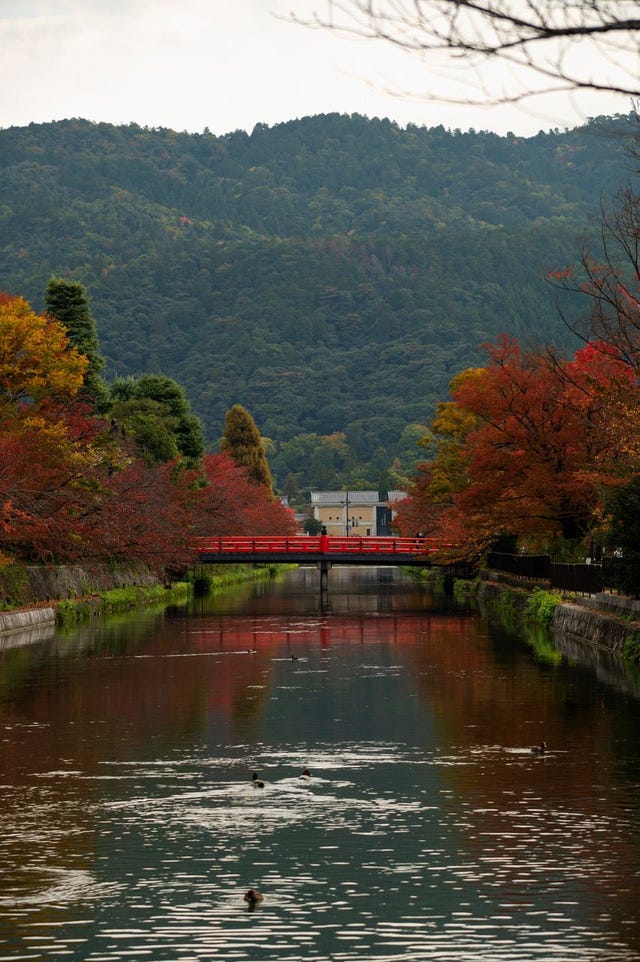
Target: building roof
(355,497)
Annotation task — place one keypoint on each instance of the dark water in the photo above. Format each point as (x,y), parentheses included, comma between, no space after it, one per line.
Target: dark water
(427,831)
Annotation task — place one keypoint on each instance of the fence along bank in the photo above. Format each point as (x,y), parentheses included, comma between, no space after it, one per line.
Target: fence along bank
(610,574)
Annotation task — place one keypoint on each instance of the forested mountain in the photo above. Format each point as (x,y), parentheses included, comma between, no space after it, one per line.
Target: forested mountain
(330,274)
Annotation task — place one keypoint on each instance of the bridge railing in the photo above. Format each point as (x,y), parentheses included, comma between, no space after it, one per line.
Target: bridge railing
(322,544)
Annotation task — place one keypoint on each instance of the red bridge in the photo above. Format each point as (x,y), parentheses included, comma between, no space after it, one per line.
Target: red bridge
(322,550)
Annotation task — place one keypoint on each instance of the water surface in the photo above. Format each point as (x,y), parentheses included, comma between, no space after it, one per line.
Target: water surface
(428,830)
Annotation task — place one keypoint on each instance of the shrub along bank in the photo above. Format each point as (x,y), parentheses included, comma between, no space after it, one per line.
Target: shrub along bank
(610,622)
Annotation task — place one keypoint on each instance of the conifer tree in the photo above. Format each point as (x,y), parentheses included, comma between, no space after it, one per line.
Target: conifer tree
(67,303)
(155,411)
(243,442)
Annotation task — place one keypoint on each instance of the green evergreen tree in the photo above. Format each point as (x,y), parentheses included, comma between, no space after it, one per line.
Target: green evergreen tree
(155,411)
(243,442)
(67,302)
(148,424)
(312,526)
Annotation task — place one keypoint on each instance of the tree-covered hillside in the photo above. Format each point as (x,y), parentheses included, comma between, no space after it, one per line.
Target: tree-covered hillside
(329,274)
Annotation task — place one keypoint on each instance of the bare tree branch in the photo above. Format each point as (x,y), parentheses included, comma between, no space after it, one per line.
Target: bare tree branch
(611,283)
(566,43)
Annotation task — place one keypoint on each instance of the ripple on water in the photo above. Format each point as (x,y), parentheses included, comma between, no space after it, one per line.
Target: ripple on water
(373,859)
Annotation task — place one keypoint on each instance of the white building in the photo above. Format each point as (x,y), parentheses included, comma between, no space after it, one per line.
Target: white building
(361,513)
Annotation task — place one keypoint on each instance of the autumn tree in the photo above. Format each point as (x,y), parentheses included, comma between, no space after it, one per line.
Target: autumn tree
(51,450)
(70,488)
(37,360)
(242,441)
(146,515)
(51,484)
(541,450)
(527,446)
(68,304)
(230,504)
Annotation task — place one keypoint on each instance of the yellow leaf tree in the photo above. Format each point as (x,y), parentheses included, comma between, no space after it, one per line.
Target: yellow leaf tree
(36,358)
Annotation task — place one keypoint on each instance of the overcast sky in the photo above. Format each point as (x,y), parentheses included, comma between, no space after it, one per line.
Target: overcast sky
(227,64)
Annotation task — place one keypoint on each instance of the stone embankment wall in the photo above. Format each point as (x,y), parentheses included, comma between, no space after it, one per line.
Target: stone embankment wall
(33,589)
(611,622)
(598,627)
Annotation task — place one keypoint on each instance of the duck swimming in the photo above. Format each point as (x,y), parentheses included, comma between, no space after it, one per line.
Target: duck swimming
(539,749)
(256,784)
(252,897)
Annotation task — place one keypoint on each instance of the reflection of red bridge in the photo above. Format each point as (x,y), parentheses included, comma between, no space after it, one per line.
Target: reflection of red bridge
(322,550)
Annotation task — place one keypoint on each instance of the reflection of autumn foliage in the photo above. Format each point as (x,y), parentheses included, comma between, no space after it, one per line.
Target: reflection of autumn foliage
(492,701)
(72,488)
(527,446)
(159,714)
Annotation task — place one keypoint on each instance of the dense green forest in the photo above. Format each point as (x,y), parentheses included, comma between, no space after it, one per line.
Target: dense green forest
(330,274)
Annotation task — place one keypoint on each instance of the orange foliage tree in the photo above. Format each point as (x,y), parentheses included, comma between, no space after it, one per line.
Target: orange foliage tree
(72,488)
(45,456)
(527,447)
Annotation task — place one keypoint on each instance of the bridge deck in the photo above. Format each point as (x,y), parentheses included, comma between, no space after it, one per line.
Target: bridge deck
(310,550)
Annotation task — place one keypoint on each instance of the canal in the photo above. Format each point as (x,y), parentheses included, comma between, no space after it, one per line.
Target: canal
(426,830)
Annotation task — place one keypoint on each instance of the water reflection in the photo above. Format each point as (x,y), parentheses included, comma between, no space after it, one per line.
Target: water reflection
(427,829)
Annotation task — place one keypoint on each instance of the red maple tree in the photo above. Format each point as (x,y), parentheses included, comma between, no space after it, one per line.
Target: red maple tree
(539,445)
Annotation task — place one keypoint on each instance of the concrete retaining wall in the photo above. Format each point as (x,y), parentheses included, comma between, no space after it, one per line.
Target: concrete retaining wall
(23,620)
(26,627)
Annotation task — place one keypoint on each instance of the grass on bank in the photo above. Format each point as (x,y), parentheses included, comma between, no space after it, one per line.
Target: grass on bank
(126,599)
(14,582)
(209,580)
(119,599)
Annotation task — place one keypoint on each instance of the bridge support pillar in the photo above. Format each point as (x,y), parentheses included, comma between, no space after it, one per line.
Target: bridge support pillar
(324,567)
